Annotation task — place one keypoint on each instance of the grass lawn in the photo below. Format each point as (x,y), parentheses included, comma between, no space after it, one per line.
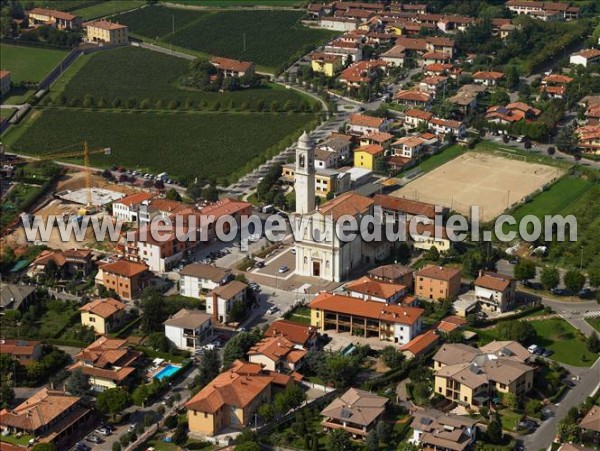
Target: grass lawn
(154,77)
(301,315)
(567,342)
(23,440)
(532,157)
(269,38)
(29,63)
(437,160)
(594,322)
(509,419)
(16,199)
(17,96)
(181,143)
(107,8)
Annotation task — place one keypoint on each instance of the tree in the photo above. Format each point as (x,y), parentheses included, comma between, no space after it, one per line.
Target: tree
(566,141)
(392,357)
(339,440)
(567,429)
(499,97)
(180,434)
(266,412)
(550,278)
(140,395)
(77,383)
(510,400)
(594,275)
(173,194)
(494,430)
(116,446)
(113,401)
(210,193)
(7,393)
(551,150)
(533,406)
(521,331)
(238,346)
(248,446)
(44,447)
(372,441)
(574,281)
(593,343)
(384,431)
(524,270)
(209,367)
(153,310)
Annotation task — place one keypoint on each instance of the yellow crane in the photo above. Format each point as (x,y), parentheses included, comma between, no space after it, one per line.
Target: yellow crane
(85,153)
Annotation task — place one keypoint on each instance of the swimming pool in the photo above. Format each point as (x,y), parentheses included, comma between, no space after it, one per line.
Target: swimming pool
(167,371)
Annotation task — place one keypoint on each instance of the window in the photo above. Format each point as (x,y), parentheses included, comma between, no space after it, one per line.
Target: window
(92,319)
(465,398)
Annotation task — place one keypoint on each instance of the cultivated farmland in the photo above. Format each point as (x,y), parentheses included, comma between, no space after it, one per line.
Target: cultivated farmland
(29,63)
(133,73)
(183,143)
(105,8)
(268,38)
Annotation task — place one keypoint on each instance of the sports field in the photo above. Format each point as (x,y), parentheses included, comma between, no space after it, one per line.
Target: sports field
(29,63)
(269,38)
(183,144)
(492,182)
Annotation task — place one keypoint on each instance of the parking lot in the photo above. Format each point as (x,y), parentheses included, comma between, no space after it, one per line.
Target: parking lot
(274,266)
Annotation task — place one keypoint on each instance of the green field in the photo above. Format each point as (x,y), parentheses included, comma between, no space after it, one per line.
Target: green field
(270,39)
(181,143)
(107,8)
(434,161)
(567,342)
(141,74)
(594,322)
(29,63)
(237,3)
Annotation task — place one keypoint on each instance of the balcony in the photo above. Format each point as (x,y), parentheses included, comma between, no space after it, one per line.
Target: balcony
(350,429)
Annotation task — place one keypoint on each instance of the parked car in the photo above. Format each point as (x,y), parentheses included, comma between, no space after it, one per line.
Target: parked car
(103,431)
(528,424)
(521,138)
(283,269)
(558,291)
(131,427)
(272,310)
(548,353)
(539,350)
(584,292)
(80,446)
(93,439)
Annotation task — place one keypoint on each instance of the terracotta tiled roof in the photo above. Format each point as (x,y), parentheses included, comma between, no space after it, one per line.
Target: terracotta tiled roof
(409,141)
(483,75)
(295,332)
(124,268)
(419,114)
(437,56)
(277,348)
(52,13)
(230,290)
(402,205)
(438,272)
(558,79)
(412,96)
(209,272)
(394,271)
(421,343)
(494,282)
(591,422)
(349,203)
(134,199)
(379,137)
(103,307)
(357,407)
(366,121)
(589,53)
(224,207)
(370,287)
(4,73)
(371,149)
(368,309)
(105,25)
(18,347)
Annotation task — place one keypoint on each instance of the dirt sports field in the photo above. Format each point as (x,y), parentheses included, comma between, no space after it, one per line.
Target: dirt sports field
(491,181)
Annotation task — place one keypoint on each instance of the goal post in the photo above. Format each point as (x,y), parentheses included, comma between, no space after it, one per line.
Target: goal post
(514,156)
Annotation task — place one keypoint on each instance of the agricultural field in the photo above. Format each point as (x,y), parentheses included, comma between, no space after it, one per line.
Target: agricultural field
(270,39)
(29,64)
(220,145)
(107,8)
(244,3)
(139,74)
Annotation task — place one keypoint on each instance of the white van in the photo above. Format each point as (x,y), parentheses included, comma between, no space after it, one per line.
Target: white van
(532,348)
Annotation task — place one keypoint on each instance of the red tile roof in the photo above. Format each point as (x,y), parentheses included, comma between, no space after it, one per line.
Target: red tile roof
(105,25)
(421,343)
(401,205)
(366,121)
(231,64)
(103,307)
(438,272)
(295,332)
(124,268)
(134,199)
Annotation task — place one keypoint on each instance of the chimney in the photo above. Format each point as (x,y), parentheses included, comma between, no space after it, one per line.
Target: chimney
(480,272)
(215,304)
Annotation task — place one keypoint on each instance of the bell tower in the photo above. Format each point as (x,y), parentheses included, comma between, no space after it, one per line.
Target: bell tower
(304,176)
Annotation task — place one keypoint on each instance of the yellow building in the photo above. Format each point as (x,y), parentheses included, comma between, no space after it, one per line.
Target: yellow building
(326,180)
(365,157)
(472,376)
(231,399)
(104,315)
(106,32)
(326,64)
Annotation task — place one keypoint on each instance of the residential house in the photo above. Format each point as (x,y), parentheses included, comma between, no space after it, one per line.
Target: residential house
(361,124)
(472,377)
(106,32)
(366,157)
(511,113)
(104,315)
(409,146)
(488,78)
(590,423)
(277,354)
(435,58)
(451,323)
(108,363)
(4,82)
(126,278)
(370,319)
(445,126)
(466,97)
(428,236)
(187,329)
(232,68)
(495,291)
(344,49)
(356,412)
(232,398)
(326,64)
(546,11)
(585,57)
(394,273)
(198,277)
(433,84)
(396,56)
(16,297)
(25,351)
(421,344)
(592,115)
(128,207)
(159,207)
(68,262)
(413,117)
(437,283)
(51,416)
(221,299)
(555,85)
(57,19)
(413,98)
(338,144)
(327,180)
(232,208)
(361,72)
(433,429)
(324,159)
(302,335)
(380,138)
(589,138)
(373,290)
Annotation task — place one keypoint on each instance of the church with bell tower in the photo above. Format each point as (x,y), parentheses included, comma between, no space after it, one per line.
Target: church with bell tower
(304,183)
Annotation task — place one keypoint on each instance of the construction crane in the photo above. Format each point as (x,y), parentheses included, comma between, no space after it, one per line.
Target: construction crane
(85,153)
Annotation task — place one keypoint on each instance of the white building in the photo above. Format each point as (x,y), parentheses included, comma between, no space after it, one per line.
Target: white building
(187,329)
(222,298)
(585,57)
(128,208)
(494,291)
(198,277)
(304,175)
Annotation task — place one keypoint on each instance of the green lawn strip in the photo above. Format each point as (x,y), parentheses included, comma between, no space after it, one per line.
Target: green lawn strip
(29,64)
(435,161)
(594,322)
(567,342)
(245,3)
(17,96)
(182,143)
(23,440)
(108,8)
(532,157)
(510,419)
